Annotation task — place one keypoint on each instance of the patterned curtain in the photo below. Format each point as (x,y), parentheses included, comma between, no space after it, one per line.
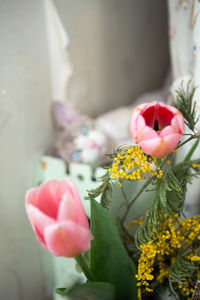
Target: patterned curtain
(184,37)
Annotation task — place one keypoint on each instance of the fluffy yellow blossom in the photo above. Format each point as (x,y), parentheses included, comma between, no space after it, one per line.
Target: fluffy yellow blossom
(196,166)
(172,234)
(186,289)
(133,164)
(175,151)
(134,222)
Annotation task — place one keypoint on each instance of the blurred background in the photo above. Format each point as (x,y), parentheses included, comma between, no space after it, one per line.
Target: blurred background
(95,55)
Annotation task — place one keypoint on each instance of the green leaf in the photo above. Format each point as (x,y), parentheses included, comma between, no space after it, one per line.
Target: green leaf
(108,258)
(191,151)
(89,291)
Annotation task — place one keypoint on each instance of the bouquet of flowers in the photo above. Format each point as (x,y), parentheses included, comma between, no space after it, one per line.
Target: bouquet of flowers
(132,259)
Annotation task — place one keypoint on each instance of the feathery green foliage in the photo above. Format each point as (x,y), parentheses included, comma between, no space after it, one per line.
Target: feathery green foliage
(104,189)
(169,197)
(117,151)
(184,103)
(181,271)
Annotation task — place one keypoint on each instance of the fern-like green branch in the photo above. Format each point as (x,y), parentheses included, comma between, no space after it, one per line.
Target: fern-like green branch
(169,197)
(184,103)
(104,190)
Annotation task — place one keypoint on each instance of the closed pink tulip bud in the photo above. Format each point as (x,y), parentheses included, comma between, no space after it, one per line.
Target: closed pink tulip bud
(157,128)
(58,218)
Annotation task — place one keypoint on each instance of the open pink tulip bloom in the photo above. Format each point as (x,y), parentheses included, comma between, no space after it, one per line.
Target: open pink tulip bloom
(58,218)
(157,128)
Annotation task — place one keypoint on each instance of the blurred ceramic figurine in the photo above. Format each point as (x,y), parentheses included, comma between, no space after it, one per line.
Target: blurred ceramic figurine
(78,137)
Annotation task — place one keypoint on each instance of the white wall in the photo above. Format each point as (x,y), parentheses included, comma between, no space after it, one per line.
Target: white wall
(25,131)
(118,49)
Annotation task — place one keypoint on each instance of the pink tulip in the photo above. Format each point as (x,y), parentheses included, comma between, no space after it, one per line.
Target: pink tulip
(58,218)
(157,128)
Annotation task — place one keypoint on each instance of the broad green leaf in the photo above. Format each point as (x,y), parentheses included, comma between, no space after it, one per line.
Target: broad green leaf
(89,291)
(109,261)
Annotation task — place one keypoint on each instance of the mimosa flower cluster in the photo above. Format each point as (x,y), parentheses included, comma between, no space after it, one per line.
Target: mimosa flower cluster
(172,234)
(133,164)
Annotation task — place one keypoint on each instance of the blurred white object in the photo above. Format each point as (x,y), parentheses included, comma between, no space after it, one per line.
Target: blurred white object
(116,124)
(184,28)
(93,146)
(61,68)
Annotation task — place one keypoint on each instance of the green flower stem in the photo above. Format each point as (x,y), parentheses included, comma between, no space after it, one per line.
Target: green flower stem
(123,229)
(84,267)
(135,198)
(194,136)
(124,195)
(191,151)
(139,193)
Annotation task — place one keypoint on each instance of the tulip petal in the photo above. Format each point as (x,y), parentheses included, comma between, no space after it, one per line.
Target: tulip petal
(39,236)
(31,196)
(148,113)
(71,207)
(178,123)
(70,210)
(135,114)
(172,140)
(161,146)
(164,116)
(133,125)
(147,105)
(46,198)
(67,239)
(167,130)
(38,218)
(140,108)
(151,146)
(140,125)
(173,109)
(147,133)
